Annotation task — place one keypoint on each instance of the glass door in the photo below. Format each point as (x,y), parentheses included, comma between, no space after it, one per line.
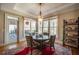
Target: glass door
(11,30)
(12,24)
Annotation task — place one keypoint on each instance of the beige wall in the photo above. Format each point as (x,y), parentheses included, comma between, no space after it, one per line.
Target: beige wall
(67,15)
(21,28)
(1,27)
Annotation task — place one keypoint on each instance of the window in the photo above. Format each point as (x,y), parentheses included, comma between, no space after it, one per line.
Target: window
(53,26)
(40,27)
(33,26)
(29,26)
(45,26)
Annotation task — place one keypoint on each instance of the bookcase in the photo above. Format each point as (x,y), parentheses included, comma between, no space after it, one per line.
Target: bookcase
(71,32)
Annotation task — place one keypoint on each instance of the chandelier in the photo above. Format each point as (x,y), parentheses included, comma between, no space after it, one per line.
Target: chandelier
(40,18)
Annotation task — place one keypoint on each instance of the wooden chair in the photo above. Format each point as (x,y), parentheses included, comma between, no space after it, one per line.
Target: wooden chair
(44,33)
(31,43)
(50,42)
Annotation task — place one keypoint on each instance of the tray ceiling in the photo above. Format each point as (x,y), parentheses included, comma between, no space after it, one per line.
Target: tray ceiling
(33,9)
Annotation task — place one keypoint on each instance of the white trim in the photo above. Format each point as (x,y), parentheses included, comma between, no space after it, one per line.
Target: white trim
(6,27)
(0,6)
(10,17)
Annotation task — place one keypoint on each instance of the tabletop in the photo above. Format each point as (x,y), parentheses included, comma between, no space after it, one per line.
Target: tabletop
(43,37)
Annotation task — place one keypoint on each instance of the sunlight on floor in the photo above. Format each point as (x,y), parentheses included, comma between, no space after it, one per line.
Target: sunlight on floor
(12,46)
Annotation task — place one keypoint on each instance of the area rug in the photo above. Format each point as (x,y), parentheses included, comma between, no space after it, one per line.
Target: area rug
(28,50)
(59,50)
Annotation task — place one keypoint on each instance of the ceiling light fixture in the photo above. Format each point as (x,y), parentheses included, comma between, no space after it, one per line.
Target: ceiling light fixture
(40,18)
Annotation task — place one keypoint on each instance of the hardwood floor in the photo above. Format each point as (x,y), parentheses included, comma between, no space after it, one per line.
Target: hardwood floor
(11,46)
(23,44)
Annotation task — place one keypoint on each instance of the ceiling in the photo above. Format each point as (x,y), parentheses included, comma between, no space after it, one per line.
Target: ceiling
(32,9)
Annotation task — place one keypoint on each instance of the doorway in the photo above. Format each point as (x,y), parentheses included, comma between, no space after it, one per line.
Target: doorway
(11,29)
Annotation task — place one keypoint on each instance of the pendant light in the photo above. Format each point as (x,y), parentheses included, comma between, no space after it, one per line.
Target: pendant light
(40,18)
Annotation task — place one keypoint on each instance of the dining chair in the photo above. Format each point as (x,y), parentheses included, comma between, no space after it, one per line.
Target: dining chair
(44,33)
(48,50)
(50,42)
(31,43)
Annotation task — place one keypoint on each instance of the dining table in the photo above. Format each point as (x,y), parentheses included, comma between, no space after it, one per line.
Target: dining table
(40,39)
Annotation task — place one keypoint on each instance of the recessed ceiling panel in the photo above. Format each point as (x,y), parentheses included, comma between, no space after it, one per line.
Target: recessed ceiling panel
(33,9)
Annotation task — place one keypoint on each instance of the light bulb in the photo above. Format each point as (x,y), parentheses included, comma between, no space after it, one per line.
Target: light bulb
(40,19)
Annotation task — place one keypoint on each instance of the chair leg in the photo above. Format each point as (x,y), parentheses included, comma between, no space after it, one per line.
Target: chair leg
(50,48)
(54,47)
(31,51)
(31,47)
